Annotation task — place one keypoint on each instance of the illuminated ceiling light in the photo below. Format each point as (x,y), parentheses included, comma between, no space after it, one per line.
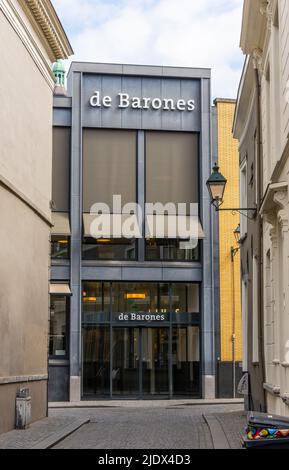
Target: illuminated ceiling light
(135,296)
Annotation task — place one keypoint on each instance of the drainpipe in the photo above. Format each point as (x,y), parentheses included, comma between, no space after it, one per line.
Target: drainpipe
(260,226)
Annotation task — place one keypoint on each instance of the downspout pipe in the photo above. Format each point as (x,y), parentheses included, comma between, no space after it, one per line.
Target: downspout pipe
(260,234)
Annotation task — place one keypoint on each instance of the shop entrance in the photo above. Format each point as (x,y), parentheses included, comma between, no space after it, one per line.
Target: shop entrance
(141,362)
(141,340)
(140,365)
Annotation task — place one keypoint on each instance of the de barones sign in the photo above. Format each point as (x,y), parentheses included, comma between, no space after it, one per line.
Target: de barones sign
(125,101)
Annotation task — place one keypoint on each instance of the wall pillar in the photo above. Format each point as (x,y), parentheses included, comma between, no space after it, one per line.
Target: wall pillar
(208,310)
(76,240)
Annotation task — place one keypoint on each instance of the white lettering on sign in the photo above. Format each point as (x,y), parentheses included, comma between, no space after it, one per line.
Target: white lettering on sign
(125,101)
(141,317)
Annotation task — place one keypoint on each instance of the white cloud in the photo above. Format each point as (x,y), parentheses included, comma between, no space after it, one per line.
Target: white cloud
(193,33)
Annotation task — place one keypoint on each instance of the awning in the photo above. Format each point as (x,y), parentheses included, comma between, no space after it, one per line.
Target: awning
(60,289)
(110,226)
(61,225)
(170,226)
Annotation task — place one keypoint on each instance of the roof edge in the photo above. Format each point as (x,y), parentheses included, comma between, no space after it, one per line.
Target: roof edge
(138,69)
(47,20)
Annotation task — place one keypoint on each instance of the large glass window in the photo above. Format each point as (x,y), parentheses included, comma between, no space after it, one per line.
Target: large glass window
(113,249)
(155,361)
(96,360)
(140,298)
(147,358)
(171,250)
(96,302)
(61,169)
(172,167)
(109,167)
(60,247)
(125,366)
(185,302)
(58,335)
(186,361)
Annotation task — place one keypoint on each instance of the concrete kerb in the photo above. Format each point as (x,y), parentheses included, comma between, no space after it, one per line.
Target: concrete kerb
(219,438)
(52,440)
(142,403)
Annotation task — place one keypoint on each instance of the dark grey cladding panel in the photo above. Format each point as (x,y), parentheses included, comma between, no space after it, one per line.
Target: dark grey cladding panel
(141,274)
(111,117)
(141,87)
(132,120)
(182,275)
(144,274)
(186,94)
(101,273)
(60,273)
(62,117)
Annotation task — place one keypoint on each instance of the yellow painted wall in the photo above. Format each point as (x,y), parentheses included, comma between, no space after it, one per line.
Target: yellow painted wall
(230,287)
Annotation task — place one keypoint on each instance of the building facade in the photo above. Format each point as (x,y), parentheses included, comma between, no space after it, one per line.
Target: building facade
(131,317)
(265,41)
(229,336)
(31,39)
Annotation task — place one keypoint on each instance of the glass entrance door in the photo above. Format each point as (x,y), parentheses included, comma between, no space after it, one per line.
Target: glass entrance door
(155,361)
(125,372)
(140,362)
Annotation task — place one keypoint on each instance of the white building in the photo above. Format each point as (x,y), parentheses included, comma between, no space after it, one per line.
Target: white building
(265,39)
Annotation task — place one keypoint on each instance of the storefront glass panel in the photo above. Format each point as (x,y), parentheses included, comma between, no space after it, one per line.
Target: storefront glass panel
(186,361)
(166,249)
(133,356)
(125,363)
(96,302)
(121,249)
(185,303)
(96,361)
(58,335)
(140,299)
(155,361)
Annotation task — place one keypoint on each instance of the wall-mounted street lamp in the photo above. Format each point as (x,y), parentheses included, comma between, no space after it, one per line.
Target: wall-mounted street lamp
(237,235)
(216,185)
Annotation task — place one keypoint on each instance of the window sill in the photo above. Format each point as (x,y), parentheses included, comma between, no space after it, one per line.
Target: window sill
(58,362)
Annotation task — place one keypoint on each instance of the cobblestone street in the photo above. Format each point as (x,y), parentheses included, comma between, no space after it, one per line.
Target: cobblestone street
(160,427)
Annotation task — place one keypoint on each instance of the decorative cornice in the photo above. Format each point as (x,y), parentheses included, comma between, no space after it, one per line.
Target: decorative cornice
(46,18)
(281,198)
(257,56)
(272,389)
(285,398)
(275,199)
(266,9)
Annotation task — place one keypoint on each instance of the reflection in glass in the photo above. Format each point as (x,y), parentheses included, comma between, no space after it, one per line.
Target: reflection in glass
(125,366)
(186,361)
(96,361)
(155,361)
(96,302)
(144,298)
(185,302)
(58,326)
(170,250)
(60,247)
(121,249)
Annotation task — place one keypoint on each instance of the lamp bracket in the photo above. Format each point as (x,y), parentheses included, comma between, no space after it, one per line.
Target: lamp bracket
(242,211)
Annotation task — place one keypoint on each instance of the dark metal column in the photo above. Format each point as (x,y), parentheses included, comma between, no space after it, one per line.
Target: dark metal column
(76,239)
(141,189)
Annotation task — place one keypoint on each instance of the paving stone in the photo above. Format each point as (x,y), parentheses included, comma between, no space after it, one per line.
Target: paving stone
(42,434)
(232,426)
(161,427)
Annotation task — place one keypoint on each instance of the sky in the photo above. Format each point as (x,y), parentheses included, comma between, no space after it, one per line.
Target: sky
(187,33)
